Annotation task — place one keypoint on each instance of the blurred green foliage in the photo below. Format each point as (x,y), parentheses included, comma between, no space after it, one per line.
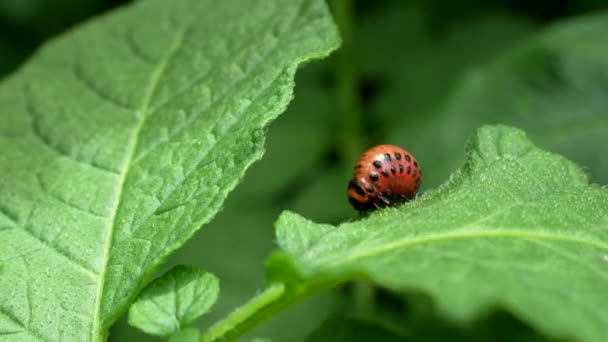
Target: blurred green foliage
(405,75)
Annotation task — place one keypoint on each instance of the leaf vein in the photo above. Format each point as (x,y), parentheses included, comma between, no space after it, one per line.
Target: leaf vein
(462,234)
(210,106)
(15,320)
(6,212)
(570,257)
(38,133)
(149,92)
(135,49)
(198,163)
(90,85)
(63,201)
(47,244)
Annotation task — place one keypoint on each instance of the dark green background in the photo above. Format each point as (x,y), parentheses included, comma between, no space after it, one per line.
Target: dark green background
(406,74)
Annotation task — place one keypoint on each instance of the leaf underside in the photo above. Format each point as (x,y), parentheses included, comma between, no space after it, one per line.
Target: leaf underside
(516,227)
(122,137)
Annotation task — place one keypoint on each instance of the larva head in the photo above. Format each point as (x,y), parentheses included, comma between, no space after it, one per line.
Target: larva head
(357,196)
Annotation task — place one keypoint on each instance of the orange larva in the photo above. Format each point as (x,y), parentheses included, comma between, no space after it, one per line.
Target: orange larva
(385,175)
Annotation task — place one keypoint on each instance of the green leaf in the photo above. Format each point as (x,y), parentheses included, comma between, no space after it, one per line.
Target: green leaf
(516,227)
(121,138)
(296,144)
(245,223)
(173,301)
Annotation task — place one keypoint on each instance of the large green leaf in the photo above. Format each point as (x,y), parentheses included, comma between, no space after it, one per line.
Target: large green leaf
(516,227)
(120,139)
(245,223)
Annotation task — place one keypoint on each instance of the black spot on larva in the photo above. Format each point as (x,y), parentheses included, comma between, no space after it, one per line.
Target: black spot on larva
(374,176)
(388,193)
(377,163)
(385,173)
(409,169)
(414,174)
(408,158)
(397,155)
(393,170)
(417,180)
(415,163)
(387,157)
(400,168)
(357,188)
(370,188)
(358,166)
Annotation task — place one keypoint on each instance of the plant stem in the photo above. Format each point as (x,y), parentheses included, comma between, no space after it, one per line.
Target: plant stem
(265,305)
(245,317)
(350,116)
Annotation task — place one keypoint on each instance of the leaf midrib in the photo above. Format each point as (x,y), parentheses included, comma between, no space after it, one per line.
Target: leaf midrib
(141,114)
(478,232)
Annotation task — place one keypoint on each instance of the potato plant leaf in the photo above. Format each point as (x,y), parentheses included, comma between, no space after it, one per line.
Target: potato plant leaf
(174,301)
(517,227)
(119,139)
